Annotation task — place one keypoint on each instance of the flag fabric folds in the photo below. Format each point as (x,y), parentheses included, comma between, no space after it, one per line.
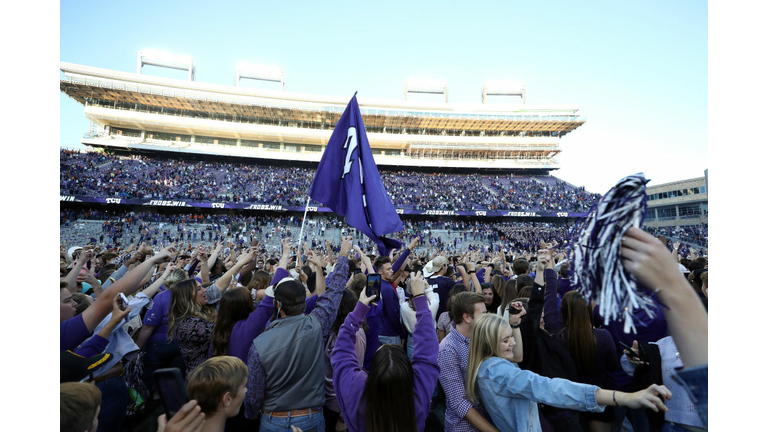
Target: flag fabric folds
(348,182)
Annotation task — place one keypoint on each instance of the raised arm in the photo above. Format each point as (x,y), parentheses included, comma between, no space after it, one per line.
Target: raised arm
(151,290)
(346,368)
(223,282)
(129,283)
(649,261)
(285,258)
(545,270)
(314,259)
(71,277)
(515,320)
(365,260)
(328,304)
(215,254)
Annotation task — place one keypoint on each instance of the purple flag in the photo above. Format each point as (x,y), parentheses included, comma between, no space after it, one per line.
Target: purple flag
(348,182)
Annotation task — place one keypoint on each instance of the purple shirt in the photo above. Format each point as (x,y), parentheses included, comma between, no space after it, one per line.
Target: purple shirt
(94,346)
(157,315)
(442,286)
(373,319)
(245,331)
(72,333)
(349,378)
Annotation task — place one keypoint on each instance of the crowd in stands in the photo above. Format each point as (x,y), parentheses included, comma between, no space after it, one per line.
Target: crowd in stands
(142,177)
(470,339)
(696,234)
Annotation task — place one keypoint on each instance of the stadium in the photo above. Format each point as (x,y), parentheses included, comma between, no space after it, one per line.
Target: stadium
(228,169)
(487,162)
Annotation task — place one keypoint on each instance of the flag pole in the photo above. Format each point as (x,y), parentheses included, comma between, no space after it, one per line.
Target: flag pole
(303,221)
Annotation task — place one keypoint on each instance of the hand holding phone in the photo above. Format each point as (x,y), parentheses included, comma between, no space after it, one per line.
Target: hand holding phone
(122,301)
(632,355)
(373,286)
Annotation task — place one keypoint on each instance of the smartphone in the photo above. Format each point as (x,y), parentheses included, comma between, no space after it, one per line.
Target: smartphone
(122,301)
(514,310)
(628,350)
(173,392)
(373,287)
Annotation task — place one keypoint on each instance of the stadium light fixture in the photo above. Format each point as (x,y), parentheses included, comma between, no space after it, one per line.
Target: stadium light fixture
(166,60)
(503,88)
(427,86)
(260,73)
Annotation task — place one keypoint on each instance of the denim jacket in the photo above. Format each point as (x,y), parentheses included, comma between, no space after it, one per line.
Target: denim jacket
(511,395)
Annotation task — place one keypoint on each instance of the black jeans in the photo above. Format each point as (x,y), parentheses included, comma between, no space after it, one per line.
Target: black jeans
(159,355)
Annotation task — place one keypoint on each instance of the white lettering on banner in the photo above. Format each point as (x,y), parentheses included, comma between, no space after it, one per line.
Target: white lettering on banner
(168,203)
(521,214)
(479,213)
(66,198)
(312,209)
(350,144)
(114,200)
(217,205)
(264,207)
(400,211)
(562,214)
(440,212)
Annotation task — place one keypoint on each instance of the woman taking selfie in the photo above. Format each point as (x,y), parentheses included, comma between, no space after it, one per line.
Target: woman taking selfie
(511,394)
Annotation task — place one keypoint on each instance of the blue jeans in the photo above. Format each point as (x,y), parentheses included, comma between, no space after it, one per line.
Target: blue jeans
(314,422)
(390,340)
(114,401)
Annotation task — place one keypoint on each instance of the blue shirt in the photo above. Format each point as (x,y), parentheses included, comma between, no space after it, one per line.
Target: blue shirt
(510,395)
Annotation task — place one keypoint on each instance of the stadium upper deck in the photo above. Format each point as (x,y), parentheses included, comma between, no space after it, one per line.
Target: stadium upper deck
(140,112)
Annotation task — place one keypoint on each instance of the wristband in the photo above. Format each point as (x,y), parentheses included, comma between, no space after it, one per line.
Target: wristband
(472,271)
(515,326)
(418,295)
(614,398)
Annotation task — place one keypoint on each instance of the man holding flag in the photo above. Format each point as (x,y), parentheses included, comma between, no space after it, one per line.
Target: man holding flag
(348,182)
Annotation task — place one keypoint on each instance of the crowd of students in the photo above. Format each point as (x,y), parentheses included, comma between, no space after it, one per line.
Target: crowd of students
(293,340)
(105,175)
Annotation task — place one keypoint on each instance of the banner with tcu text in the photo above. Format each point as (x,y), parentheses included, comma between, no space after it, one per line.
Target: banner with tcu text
(269,207)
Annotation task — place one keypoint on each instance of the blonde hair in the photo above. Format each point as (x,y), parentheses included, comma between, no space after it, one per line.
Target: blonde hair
(78,403)
(177,275)
(483,343)
(214,378)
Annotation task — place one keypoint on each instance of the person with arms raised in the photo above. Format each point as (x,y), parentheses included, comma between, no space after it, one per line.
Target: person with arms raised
(294,396)
(395,394)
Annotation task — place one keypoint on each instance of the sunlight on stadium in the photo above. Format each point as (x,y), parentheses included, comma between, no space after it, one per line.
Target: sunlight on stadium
(241,257)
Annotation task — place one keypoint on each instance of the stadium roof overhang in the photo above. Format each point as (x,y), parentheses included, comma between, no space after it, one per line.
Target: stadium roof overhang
(296,135)
(190,98)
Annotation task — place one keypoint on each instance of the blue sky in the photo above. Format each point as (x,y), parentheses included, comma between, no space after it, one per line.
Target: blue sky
(638,71)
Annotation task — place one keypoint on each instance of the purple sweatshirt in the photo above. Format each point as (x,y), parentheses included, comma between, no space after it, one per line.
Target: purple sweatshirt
(349,379)
(245,331)
(390,314)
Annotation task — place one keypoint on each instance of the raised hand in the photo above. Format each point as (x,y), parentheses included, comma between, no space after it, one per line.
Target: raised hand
(346,246)
(516,319)
(364,299)
(633,354)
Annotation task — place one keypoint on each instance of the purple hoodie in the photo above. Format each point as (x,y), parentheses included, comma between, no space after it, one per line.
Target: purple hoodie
(349,379)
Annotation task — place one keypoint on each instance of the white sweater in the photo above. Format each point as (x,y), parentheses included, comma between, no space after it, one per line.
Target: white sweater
(408,315)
